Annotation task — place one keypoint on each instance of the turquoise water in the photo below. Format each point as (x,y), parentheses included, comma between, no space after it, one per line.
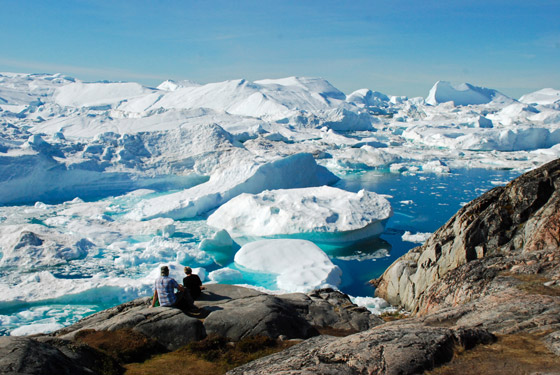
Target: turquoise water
(421,203)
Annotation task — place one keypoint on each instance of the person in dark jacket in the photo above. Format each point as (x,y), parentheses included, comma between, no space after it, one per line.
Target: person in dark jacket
(192,283)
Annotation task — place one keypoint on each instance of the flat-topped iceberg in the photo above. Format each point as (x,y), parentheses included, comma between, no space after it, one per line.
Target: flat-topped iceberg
(300,265)
(296,171)
(320,213)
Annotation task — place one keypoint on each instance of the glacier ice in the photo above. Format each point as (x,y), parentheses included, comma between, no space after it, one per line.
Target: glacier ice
(320,213)
(419,237)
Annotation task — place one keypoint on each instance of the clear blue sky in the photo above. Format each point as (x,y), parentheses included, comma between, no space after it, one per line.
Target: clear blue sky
(398,47)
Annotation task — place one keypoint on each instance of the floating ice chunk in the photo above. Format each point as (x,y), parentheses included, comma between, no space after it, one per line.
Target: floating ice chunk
(363,157)
(159,249)
(398,167)
(301,265)
(226,275)
(296,171)
(375,305)
(33,329)
(435,166)
(368,98)
(221,240)
(417,237)
(33,245)
(325,213)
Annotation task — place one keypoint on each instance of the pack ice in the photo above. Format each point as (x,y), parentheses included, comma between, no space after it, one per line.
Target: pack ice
(101,182)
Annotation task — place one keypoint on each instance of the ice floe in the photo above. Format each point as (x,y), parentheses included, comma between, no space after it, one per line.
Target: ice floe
(299,265)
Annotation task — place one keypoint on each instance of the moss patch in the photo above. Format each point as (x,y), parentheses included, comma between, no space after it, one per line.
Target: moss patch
(510,354)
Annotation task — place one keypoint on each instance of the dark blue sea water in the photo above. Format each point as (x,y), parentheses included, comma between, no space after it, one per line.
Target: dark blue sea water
(421,203)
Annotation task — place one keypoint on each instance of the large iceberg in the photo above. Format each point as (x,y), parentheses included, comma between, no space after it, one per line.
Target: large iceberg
(299,265)
(462,94)
(546,96)
(320,213)
(295,171)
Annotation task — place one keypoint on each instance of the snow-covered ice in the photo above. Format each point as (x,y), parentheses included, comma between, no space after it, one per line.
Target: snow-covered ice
(299,265)
(299,170)
(321,213)
(419,237)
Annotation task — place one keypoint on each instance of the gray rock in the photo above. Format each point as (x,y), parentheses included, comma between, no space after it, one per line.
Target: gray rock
(329,308)
(23,355)
(168,326)
(259,315)
(404,347)
(234,312)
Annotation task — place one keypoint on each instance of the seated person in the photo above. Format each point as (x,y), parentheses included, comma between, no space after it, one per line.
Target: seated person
(192,283)
(164,292)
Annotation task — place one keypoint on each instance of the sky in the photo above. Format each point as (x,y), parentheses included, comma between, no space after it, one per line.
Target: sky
(398,47)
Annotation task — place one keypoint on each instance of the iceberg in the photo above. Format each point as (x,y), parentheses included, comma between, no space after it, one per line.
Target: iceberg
(299,265)
(546,96)
(323,213)
(463,94)
(295,171)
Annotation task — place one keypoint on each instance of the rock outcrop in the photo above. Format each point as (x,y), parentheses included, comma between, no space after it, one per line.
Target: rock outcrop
(514,229)
(233,312)
(394,348)
(24,355)
(135,328)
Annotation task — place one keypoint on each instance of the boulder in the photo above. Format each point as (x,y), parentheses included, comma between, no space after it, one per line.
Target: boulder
(404,347)
(327,308)
(24,355)
(168,326)
(237,312)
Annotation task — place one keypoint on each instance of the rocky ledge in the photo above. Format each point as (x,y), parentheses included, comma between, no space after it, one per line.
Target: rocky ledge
(225,310)
(491,271)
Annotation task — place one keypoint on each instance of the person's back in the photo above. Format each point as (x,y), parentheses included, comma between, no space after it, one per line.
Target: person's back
(192,283)
(165,287)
